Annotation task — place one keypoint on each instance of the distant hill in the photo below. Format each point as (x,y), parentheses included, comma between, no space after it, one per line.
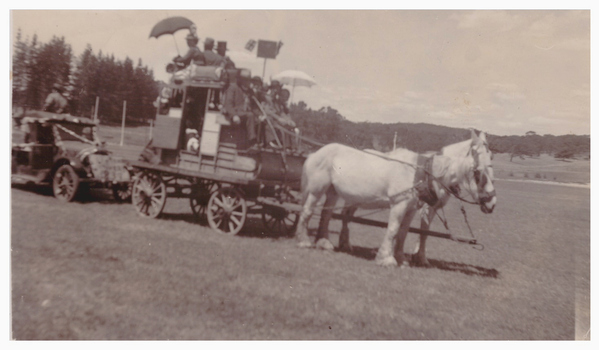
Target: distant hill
(327,125)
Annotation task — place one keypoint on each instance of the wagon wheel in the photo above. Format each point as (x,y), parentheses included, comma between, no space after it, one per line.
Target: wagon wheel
(279,220)
(122,192)
(200,196)
(227,211)
(149,195)
(65,183)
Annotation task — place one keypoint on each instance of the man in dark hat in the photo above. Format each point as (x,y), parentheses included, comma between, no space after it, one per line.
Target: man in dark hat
(211,58)
(236,107)
(194,54)
(56,102)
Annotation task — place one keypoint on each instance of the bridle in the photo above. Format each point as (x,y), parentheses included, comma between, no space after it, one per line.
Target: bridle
(479,179)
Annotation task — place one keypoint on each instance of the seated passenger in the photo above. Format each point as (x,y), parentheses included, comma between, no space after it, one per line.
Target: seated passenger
(56,102)
(211,58)
(193,55)
(193,140)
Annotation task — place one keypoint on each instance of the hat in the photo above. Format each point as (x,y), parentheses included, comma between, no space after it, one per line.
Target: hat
(192,37)
(209,41)
(57,87)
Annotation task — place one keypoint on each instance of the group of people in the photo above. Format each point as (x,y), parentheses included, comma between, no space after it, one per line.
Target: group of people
(261,109)
(208,57)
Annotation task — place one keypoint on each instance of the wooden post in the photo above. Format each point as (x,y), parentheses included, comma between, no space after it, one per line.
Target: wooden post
(395,141)
(123,123)
(96,109)
(263,70)
(151,128)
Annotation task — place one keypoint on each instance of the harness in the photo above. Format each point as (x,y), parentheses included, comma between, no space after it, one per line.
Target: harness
(423,180)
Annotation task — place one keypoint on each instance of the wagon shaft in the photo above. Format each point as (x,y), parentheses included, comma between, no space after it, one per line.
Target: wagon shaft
(383,224)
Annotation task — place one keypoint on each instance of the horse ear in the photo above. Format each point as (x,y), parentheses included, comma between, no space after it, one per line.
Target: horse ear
(483,136)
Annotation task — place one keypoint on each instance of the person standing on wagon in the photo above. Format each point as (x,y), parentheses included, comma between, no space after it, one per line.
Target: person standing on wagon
(235,108)
(56,102)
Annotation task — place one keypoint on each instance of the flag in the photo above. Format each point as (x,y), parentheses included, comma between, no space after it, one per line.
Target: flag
(250,45)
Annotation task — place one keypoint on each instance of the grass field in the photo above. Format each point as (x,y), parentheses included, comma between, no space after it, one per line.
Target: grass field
(95,270)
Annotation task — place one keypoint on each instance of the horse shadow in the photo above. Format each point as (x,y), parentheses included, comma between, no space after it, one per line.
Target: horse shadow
(467,269)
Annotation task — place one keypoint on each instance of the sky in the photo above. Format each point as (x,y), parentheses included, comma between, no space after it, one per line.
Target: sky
(503,72)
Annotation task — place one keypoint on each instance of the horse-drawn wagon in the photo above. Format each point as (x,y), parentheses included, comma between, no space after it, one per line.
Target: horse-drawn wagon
(200,154)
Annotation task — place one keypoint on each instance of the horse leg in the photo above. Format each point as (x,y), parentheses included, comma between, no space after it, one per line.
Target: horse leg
(344,245)
(302,225)
(401,237)
(322,237)
(419,257)
(384,257)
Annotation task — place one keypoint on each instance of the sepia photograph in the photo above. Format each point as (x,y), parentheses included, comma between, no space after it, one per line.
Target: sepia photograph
(299,175)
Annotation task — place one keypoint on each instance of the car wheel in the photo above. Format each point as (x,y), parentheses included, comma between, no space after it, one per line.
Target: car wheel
(65,183)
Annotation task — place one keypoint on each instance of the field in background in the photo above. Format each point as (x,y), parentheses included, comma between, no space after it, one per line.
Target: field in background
(543,168)
(96,270)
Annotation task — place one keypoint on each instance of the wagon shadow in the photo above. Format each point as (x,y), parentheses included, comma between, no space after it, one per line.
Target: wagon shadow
(185,217)
(467,269)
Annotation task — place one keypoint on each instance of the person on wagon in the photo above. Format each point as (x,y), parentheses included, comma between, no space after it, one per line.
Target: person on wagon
(194,54)
(56,102)
(212,58)
(235,107)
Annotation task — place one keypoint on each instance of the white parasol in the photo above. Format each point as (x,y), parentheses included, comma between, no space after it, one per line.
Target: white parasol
(294,78)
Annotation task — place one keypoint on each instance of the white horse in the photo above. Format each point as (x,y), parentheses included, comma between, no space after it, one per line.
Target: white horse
(375,180)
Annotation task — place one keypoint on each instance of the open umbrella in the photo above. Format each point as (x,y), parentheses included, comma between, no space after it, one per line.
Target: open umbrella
(170,26)
(294,78)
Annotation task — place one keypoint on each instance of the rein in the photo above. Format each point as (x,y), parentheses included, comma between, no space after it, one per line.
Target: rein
(417,167)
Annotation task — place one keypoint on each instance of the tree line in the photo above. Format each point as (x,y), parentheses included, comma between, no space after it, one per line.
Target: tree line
(37,66)
(327,125)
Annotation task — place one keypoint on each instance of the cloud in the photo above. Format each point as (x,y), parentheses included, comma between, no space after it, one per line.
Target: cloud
(498,21)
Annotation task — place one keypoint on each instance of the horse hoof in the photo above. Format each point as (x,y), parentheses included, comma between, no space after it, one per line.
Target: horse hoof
(304,245)
(404,265)
(387,262)
(325,244)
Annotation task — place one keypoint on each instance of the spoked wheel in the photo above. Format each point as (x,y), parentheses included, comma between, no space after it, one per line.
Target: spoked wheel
(65,183)
(122,192)
(200,196)
(149,195)
(279,220)
(227,211)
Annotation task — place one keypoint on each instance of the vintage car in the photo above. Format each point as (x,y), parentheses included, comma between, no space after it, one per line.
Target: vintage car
(64,151)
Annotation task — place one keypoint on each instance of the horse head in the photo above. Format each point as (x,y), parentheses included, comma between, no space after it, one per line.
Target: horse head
(483,188)
(477,169)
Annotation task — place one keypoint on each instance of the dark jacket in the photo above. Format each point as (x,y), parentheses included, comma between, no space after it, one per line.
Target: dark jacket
(212,59)
(194,54)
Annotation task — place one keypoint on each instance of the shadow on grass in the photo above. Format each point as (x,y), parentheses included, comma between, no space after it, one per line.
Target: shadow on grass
(467,269)
(253,227)
(37,189)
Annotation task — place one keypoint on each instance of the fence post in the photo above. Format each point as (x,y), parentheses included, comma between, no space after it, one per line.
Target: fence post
(151,128)
(123,123)
(96,109)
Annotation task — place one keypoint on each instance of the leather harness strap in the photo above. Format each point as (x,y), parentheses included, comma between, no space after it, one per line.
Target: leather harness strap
(423,180)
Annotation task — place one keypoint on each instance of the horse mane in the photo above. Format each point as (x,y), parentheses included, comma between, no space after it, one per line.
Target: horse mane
(459,149)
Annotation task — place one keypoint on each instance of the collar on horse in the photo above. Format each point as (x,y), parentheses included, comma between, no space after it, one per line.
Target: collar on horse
(423,180)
